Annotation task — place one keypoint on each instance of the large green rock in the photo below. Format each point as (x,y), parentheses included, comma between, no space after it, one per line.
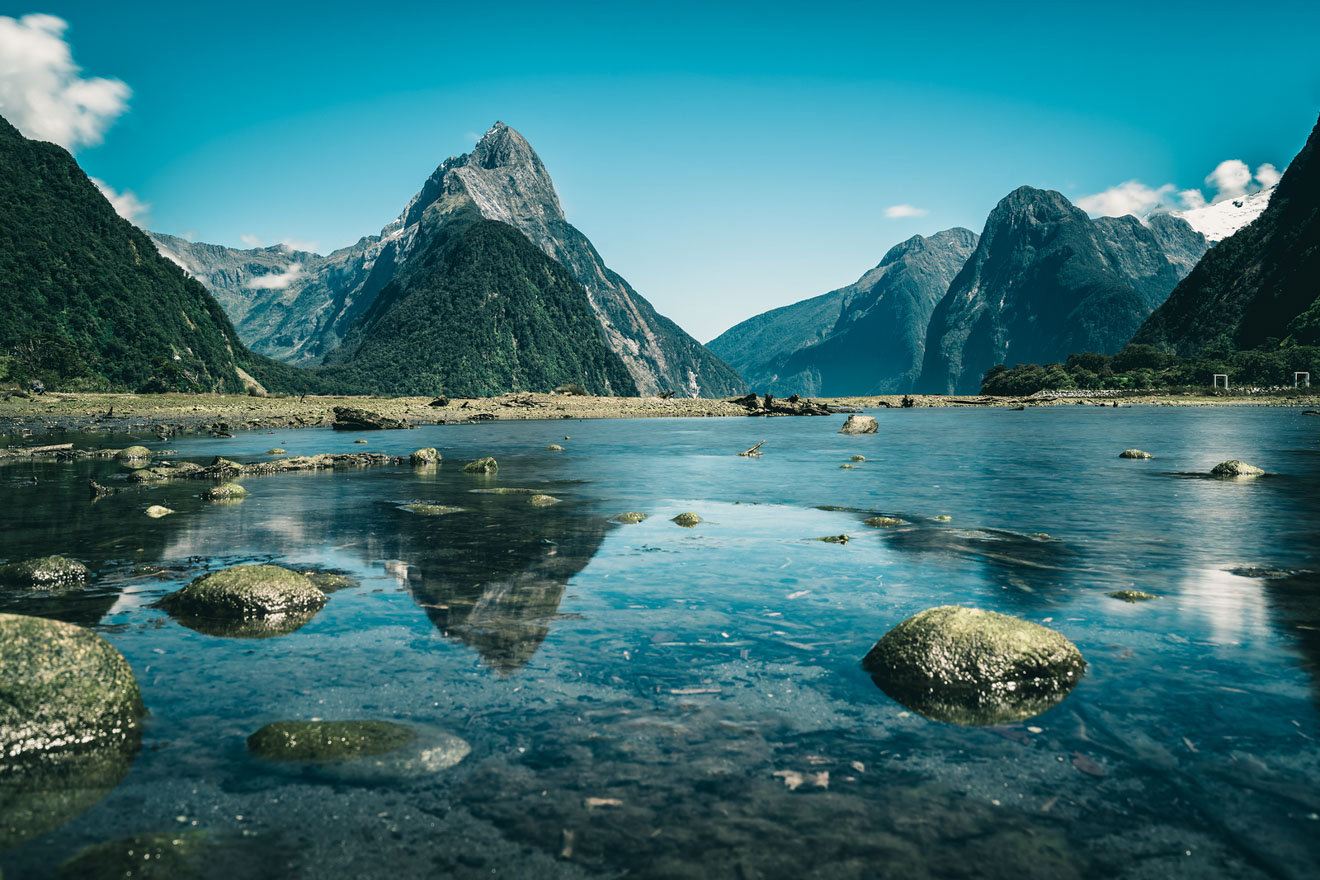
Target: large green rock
(246,591)
(485,465)
(43,573)
(974,667)
(62,686)
(134,453)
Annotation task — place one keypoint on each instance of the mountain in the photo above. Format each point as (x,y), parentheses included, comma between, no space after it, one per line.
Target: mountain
(502,179)
(1222,219)
(1046,280)
(479,312)
(1259,284)
(867,338)
(85,299)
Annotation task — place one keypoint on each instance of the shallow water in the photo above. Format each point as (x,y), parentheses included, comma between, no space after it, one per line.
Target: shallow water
(657,701)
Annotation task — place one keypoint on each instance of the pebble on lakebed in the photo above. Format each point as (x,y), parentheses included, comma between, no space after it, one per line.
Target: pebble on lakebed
(973,667)
(44,573)
(686,520)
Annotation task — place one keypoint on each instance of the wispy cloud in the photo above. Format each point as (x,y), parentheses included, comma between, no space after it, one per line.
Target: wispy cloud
(126,203)
(297,244)
(1267,175)
(1129,197)
(1231,179)
(251,241)
(276,280)
(896,211)
(44,94)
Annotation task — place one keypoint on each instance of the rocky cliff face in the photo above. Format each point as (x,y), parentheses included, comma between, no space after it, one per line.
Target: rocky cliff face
(1258,284)
(1045,281)
(867,338)
(504,180)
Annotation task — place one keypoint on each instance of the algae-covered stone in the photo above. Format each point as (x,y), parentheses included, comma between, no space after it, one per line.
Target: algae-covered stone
(859,424)
(943,517)
(39,794)
(554,447)
(884,522)
(1131,595)
(328,581)
(1235,468)
(44,573)
(835,539)
(427,455)
(974,667)
(134,453)
(486,465)
(847,467)
(631,518)
(422,509)
(858,458)
(542,500)
(328,740)
(1134,453)
(62,686)
(225,492)
(686,520)
(276,451)
(163,855)
(246,591)
(156,511)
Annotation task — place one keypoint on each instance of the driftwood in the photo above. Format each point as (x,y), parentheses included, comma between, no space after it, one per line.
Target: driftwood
(37,450)
(793,406)
(754,451)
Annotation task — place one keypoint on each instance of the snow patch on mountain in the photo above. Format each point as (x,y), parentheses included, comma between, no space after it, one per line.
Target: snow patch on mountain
(1221,219)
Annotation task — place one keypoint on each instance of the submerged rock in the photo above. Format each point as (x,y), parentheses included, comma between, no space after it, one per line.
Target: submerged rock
(62,686)
(225,492)
(44,573)
(858,458)
(835,539)
(163,855)
(156,511)
(859,424)
(428,455)
(1235,468)
(542,500)
(328,740)
(1134,453)
(422,509)
(631,518)
(328,581)
(505,490)
(847,467)
(348,418)
(276,451)
(39,794)
(686,520)
(246,601)
(554,447)
(974,667)
(943,517)
(1132,595)
(486,465)
(884,522)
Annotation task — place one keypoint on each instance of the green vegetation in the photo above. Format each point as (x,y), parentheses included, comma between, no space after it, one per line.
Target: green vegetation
(1147,368)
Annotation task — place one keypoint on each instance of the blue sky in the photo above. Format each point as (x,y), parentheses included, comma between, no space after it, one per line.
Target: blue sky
(725,159)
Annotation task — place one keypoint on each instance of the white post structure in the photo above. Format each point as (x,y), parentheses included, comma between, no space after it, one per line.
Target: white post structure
(1301,380)
(1223,376)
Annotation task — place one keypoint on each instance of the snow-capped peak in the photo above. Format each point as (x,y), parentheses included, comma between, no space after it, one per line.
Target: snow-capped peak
(1220,220)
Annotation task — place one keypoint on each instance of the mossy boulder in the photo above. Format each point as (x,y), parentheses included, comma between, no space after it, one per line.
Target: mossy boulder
(1135,453)
(245,592)
(884,522)
(974,667)
(163,855)
(422,509)
(328,740)
(44,573)
(858,458)
(542,500)
(1131,596)
(276,451)
(686,520)
(1235,468)
(859,424)
(486,465)
(631,518)
(428,455)
(62,687)
(134,453)
(156,511)
(225,492)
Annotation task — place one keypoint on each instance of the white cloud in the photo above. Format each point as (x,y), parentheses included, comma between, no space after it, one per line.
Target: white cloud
(1130,197)
(896,211)
(1230,180)
(126,203)
(251,241)
(1267,175)
(43,93)
(275,280)
(296,244)
(1192,199)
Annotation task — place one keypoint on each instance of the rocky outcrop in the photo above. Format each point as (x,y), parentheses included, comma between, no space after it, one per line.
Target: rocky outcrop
(975,667)
(348,418)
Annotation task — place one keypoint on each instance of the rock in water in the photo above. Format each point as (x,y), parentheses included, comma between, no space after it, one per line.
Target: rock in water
(225,492)
(62,687)
(429,455)
(542,500)
(486,465)
(974,667)
(631,518)
(687,520)
(44,573)
(328,740)
(1131,596)
(134,453)
(858,424)
(158,856)
(884,522)
(1134,453)
(348,418)
(156,511)
(246,601)
(1235,468)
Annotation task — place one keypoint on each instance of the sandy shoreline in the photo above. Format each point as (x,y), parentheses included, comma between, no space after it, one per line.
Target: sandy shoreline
(178,413)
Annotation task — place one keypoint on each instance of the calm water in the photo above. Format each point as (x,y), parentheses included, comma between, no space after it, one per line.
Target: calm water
(652,701)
